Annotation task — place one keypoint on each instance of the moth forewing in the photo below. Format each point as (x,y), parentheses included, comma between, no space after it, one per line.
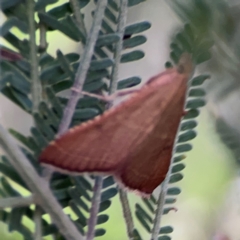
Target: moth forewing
(132,141)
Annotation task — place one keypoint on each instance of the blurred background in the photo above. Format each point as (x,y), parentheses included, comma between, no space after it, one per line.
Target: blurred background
(209,205)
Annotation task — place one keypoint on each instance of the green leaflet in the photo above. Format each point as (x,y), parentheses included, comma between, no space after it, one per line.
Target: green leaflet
(102,219)
(9,172)
(183,148)
(99,232)
(143,221)
(110,16)
(60,11)
(14,77)
(177,168)
(104,205)
(41,4)
(21,45)
(108,181)
(175,178)
(164,238)
(137,28)
(197,92)
(10,23)
(65,26)
(18,98)
(5,4)
(199,80)
(173,191)
(166,230)
(144,214)
(107,39)
(195,103)
(134,41)
(132,56)
(81,218)
(129,82)
(186,136)
(109,193)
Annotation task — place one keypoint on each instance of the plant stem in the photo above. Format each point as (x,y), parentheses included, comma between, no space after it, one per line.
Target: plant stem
(159,210)
(94,208)
(36,85)
(127,213)
(38,186)
(12,202)
(83,67)
(113,88)
(38,223)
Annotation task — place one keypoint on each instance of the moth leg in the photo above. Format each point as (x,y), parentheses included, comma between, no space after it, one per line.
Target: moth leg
(100,97)
(124,92)
(107,98)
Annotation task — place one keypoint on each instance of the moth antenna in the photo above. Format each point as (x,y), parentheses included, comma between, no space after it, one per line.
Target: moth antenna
(186,65)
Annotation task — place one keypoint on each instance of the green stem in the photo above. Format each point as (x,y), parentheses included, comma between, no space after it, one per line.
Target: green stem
(36,85)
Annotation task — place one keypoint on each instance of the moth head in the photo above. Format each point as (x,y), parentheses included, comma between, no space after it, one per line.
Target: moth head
(186,65)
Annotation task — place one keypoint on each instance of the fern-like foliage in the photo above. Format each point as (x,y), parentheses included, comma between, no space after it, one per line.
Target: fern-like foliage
(199,47)
(56,75)
(218,21)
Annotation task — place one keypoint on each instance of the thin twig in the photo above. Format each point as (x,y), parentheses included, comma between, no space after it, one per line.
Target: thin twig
(83,66)
(39,187)
(113,88)
(92,221)
(78,16)
(127,213)
(36,85)
(160,206)
(12,202)
(38,223)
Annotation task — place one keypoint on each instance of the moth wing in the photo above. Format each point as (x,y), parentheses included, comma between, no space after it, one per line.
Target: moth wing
(101,144)
(114,142)
(148,165)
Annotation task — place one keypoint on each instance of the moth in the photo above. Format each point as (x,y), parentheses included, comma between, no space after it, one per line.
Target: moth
(132,141)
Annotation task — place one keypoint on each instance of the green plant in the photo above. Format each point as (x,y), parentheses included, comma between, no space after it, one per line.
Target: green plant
(33,81)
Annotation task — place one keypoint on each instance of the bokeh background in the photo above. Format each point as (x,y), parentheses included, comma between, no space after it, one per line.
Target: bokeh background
(209,205)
